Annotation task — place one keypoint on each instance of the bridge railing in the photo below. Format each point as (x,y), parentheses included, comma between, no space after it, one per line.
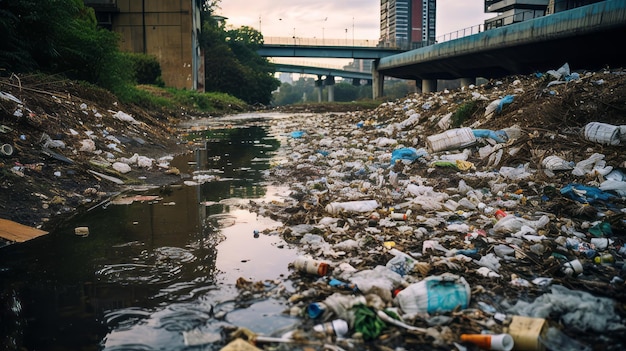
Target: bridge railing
(405,44)
(320,41)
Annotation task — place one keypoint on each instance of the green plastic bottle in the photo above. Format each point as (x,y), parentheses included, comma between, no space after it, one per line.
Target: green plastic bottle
(604,258)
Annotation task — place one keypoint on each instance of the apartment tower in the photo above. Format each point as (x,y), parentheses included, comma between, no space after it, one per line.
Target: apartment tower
(407,23)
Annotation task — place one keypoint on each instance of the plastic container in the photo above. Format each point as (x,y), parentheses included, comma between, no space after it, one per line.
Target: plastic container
(602,133)
(401,216)
(6,150)
(499,214)
(574,267)
(555,163)
(352,206)
(316,309)
(501,342)
(604,258)
(451,139)
(601,243)
(442,293)
(337,327)
(311,266)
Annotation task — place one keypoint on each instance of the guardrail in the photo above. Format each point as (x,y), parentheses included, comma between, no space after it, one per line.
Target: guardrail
(405,45)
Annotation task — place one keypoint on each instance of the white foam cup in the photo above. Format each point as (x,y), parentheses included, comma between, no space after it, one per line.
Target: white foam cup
(573,267)
(341,327)
(502,342)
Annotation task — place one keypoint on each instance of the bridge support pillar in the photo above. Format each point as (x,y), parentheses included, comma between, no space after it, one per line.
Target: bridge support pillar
(319,86)
(466,82)
(330,82)
(378,81)
(429,86)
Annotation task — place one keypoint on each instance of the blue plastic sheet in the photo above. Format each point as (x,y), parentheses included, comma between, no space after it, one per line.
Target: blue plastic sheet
(406,153)
(585,194)
(297,134)
(499,136)
(505,100)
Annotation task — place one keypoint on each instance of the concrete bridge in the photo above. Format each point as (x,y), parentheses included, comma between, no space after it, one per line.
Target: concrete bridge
(328,73)
(586,37)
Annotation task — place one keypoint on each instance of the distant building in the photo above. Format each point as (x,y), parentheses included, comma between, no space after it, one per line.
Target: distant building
(168,30)
(359,65)
(407,23)
(515,11)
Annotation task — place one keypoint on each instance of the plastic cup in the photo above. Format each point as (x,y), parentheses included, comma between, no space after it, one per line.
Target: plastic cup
(337,327)
(573,267)
(502,342)
(6,150)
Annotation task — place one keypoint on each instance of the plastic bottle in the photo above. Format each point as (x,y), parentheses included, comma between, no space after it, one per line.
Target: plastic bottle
(499,214)
(401,216)
(337,327)
(312,266)
(352,206)
(604,258)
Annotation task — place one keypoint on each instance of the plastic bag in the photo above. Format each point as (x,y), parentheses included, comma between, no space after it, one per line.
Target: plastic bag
(499,136)
(406,154)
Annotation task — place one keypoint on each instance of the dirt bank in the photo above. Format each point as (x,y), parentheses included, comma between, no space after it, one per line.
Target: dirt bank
(63,137)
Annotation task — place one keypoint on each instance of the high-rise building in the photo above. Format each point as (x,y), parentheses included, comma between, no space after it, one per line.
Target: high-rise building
(407,23)
(513,11)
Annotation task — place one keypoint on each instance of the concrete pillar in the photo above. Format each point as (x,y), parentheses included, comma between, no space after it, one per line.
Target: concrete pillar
(466,82)
(378,81)
(429,85)
(319,86)
(330,83)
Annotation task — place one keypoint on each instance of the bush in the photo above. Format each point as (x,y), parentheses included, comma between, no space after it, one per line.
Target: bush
(147,69)
(463,113)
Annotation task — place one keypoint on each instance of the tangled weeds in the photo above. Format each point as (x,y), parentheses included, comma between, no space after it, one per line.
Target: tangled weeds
(506,229)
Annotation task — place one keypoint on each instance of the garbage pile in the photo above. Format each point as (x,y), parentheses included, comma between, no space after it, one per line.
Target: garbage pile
(488,217)
(64,146)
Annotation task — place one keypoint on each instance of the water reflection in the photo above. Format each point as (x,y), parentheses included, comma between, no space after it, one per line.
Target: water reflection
(157,262)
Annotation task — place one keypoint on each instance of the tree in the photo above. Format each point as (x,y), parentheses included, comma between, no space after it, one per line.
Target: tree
(232,65)
(59,37)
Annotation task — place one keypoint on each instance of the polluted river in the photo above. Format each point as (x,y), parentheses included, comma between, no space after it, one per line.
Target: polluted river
(156,262)
(488,217)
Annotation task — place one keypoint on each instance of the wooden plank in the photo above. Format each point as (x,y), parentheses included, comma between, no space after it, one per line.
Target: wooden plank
(17,232)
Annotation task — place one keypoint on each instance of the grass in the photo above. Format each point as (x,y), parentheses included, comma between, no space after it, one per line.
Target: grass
(174,100)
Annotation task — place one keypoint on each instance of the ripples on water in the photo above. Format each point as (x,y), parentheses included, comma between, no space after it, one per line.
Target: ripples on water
(153,273)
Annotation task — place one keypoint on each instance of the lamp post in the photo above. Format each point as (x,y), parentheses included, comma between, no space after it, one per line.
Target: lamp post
(323,28)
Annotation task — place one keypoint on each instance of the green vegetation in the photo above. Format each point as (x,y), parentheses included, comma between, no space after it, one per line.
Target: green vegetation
(62,38)
(232,65)
(304,91)
(463,113)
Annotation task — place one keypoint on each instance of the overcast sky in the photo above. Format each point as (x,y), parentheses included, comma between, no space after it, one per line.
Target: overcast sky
(331,18)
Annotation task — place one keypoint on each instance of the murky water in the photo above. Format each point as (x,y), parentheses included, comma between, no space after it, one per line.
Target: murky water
(159,264)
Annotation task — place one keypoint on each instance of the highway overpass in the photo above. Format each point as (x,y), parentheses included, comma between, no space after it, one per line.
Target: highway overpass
(587,37)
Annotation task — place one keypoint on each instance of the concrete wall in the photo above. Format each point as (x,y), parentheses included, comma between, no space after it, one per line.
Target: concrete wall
(168,30)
